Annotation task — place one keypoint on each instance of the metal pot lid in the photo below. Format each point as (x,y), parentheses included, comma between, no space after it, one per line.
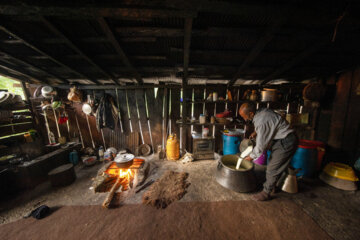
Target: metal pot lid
(86,108)
(233,132)
(124,158)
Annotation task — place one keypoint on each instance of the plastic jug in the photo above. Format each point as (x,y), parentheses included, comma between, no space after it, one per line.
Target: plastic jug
(74,157)
(172,148)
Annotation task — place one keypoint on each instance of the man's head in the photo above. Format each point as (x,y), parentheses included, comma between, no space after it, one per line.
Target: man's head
(247,111)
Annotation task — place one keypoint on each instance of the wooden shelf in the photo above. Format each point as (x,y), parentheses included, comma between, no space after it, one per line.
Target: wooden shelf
(204,101)
(208,124)
(38,99)
(15,108)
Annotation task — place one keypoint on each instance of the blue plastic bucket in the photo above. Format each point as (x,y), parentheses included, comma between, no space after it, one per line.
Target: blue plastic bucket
(231,144)
(305,158)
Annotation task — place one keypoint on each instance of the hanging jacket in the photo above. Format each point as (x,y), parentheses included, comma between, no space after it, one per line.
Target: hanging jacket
(106,113)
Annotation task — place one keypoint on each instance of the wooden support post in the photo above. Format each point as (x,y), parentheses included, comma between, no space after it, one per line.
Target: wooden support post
(165,116)
(187,42)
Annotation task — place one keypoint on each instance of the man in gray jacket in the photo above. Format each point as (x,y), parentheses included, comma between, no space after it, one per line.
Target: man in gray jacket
(273,133)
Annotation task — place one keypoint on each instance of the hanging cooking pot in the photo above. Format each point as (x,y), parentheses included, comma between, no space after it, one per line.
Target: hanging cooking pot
(124,160)
(46,91)
(269,95)
(238,180)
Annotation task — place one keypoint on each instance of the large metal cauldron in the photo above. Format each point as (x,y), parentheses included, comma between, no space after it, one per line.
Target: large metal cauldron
(241,180)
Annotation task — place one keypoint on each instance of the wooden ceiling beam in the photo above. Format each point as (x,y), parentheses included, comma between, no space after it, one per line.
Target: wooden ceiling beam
(150,9)
(14,34)
(260,45)
(179,32)
(138,39)
(6,54)
(11,70)
(12,76)
(297,59)
(110,35)
(60,40)
(90,12)
(316,46)
(57,32)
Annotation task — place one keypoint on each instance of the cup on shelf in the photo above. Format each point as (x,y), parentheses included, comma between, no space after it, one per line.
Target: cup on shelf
(205,132)
(215,96)
(202,119)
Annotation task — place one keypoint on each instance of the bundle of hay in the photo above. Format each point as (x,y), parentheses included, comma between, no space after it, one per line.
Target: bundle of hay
(169,188)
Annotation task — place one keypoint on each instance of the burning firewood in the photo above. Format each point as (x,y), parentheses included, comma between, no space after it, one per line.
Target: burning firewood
(110,195)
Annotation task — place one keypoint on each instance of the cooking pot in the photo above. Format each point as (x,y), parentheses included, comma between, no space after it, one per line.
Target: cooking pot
(241,180)
(269,95)
(46,91)
(124,160)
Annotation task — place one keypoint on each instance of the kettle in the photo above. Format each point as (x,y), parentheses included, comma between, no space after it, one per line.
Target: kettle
(290,183)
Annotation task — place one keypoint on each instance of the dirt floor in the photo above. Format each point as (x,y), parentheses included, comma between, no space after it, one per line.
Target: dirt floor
(181,220)
(335,211)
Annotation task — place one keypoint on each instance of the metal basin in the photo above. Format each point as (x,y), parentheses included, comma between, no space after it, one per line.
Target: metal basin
(241,180)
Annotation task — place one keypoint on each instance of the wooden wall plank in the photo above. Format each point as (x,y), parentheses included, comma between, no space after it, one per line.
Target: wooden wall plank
(351,136)
(339,111)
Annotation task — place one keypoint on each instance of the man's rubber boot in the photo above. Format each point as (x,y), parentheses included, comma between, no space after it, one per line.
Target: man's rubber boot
(261,196)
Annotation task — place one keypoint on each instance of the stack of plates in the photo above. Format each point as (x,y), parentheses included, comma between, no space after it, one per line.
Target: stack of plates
(7,98)
(340,176)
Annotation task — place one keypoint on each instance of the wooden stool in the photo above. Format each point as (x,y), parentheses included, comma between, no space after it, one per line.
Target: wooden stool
(62,176)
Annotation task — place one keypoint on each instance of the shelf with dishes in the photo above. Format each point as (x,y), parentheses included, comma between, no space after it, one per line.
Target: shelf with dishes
(218,101)
(197,123)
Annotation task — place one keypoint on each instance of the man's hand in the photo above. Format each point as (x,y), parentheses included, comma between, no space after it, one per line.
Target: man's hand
(248,158)
(253,135)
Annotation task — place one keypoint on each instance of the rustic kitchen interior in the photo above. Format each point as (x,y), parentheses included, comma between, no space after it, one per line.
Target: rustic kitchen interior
(120,119)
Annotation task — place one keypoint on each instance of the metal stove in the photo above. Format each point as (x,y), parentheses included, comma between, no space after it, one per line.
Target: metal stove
(203,148)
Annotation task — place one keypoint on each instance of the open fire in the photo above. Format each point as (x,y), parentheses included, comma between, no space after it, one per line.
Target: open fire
(126,175)
(120,179)
(113,179)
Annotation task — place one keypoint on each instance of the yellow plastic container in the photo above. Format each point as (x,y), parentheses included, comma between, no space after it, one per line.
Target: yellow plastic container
(172,148)
(341,171)
(28,137)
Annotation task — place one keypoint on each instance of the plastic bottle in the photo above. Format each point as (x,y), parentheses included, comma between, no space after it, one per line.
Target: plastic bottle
(74,157)
(101,154)
(202,119)
(205,132)
(172,148)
